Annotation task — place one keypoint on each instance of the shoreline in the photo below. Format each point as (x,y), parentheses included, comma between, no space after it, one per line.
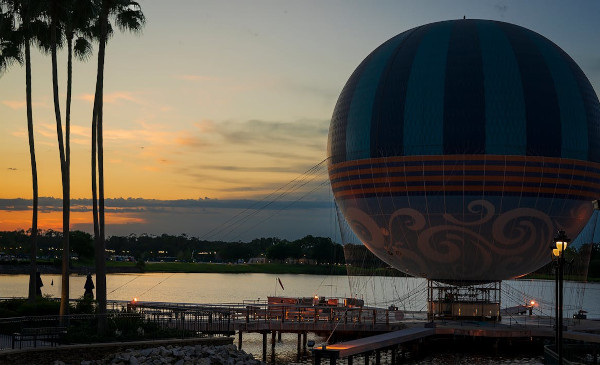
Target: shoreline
(219,268)
(204,268)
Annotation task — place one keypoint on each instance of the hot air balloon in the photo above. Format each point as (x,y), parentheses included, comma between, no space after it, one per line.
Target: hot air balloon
(458,148)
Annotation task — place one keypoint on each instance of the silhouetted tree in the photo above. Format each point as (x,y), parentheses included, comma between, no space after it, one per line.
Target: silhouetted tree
(73,17)
(21,28)
(127,15)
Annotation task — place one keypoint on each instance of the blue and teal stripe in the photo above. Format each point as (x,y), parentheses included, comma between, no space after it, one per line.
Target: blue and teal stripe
(466,87)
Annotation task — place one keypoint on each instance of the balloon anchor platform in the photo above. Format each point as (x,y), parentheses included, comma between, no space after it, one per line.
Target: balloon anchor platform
(471,301)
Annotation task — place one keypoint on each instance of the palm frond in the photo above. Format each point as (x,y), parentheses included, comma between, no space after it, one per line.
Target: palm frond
(83,49)
(129,16)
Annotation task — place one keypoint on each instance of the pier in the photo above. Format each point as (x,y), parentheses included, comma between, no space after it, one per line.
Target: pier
(273,319)
(587,332)
(375,332)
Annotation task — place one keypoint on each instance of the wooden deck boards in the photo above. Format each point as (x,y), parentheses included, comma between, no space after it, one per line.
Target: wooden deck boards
(391,339)
(372,343)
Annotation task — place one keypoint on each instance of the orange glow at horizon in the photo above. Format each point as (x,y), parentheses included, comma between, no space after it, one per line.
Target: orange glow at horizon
(21,219)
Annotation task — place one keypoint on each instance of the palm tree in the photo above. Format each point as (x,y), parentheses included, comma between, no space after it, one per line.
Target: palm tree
(73,17)
(22,18)
(127,15)
(10,52)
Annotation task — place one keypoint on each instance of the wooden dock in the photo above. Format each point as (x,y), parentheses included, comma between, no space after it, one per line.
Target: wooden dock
(274,319)
(370,344)
(378,329)
(392,341)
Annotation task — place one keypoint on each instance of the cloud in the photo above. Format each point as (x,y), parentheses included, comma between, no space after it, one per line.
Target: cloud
(326,94)
(127,205)
(191,141)
(255,131)
(114,97)
(20,104)
(232,219)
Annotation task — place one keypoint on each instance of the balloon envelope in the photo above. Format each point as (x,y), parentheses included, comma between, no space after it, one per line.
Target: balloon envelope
(457,149)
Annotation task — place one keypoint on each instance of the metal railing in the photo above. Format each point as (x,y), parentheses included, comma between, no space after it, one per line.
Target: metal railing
(138,320)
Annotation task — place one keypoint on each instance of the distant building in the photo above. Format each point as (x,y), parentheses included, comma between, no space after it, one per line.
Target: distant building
(257,260)
(122,258)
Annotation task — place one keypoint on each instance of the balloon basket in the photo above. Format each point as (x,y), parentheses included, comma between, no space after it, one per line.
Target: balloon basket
(463,301)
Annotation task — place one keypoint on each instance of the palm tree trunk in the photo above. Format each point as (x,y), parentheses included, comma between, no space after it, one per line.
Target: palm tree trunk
(34,233)
(67,182)
(98,104)
(64,293)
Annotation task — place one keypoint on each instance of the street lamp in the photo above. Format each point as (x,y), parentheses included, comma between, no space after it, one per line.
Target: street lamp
(558,251)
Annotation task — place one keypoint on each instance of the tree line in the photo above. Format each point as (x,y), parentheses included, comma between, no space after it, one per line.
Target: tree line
(50,26)
(317,250)
(582,262)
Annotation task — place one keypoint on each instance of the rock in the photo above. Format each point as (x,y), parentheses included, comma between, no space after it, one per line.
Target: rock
(178,355)
(165,352)
(145,352)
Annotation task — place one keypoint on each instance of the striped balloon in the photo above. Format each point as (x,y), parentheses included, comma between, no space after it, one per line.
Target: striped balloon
(457,148)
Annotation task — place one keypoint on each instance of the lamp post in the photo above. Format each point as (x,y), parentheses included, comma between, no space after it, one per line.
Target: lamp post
(558,251)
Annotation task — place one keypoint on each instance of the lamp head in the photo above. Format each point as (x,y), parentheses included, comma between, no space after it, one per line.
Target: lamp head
(561,240)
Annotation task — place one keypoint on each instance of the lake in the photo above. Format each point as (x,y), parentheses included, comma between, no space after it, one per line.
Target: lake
(406,293)
(235,288)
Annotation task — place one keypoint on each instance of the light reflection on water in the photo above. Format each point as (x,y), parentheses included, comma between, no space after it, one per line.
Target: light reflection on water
(379,291)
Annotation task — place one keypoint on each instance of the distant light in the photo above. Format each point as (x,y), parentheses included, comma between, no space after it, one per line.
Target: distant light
(134,300)
(533,302)
(316,297)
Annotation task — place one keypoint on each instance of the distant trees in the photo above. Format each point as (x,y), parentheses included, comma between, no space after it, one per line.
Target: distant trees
(184,248)
(584,261)
(82,243)
(594,270)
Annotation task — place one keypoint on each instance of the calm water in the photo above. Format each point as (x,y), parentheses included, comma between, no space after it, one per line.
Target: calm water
(406,293)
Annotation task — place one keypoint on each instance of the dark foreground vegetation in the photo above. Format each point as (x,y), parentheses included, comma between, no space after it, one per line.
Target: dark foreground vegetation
(16,314)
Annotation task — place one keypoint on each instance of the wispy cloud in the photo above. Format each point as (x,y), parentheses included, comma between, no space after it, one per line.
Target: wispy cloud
(302,132)
(128,205)
(20,104)
(114,97)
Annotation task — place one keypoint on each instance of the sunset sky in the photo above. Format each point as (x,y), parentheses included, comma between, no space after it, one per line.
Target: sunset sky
(217,104)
